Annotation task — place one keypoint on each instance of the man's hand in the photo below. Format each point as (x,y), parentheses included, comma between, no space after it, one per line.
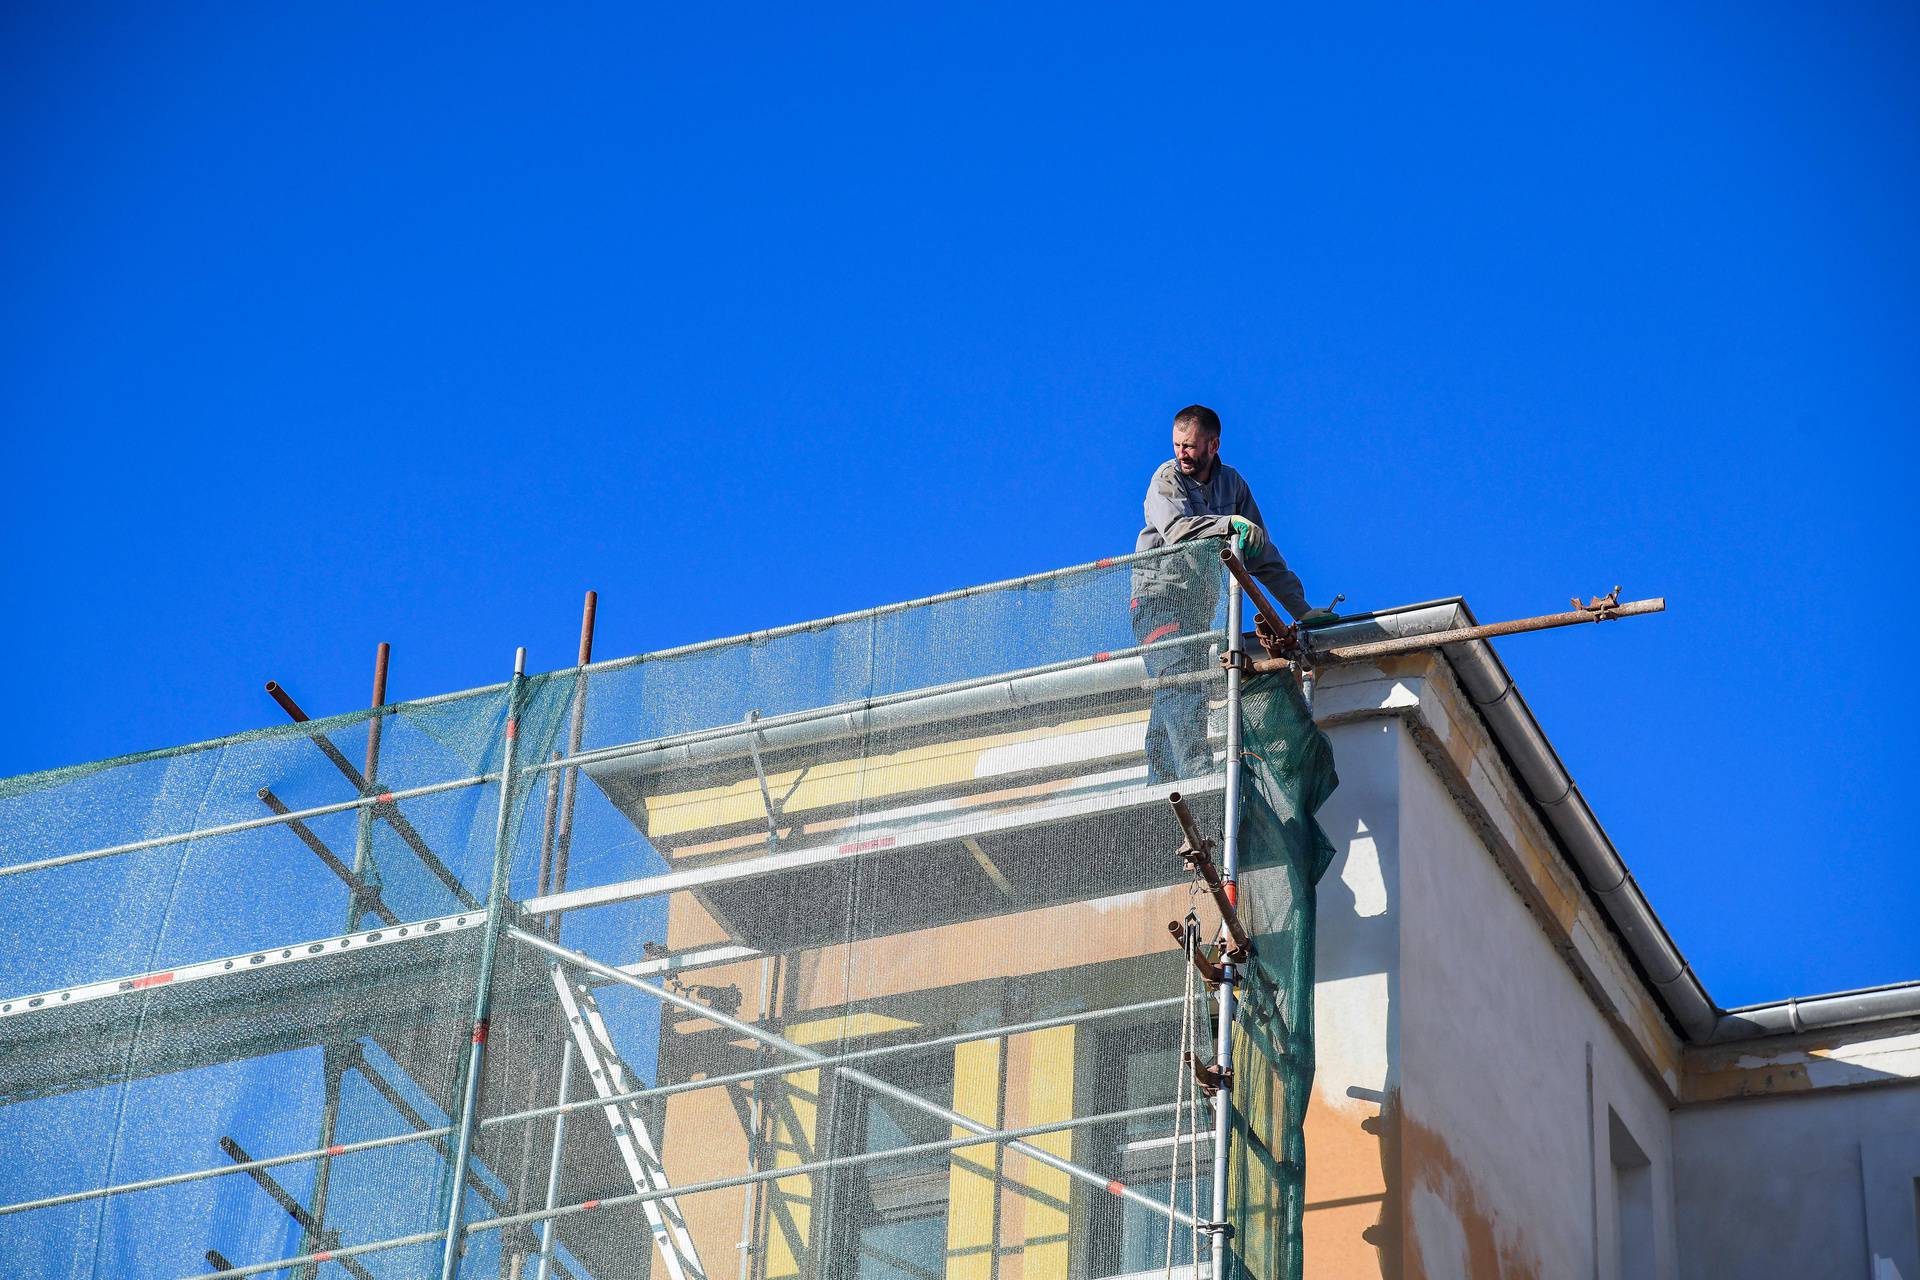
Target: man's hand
(1251,538)
(1318,618)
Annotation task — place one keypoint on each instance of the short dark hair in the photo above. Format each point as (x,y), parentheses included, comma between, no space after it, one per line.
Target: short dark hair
(1198,415)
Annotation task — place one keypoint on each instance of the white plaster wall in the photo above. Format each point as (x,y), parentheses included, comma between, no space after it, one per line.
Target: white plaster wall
(1357,949)
(1494,1041)
(1803,1186)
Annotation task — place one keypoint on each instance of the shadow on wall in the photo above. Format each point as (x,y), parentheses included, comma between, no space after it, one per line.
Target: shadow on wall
(1353,1159)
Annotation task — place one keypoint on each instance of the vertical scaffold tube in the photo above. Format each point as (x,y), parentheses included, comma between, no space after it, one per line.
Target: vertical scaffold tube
(483,983)
(1229,872)
(545,1269)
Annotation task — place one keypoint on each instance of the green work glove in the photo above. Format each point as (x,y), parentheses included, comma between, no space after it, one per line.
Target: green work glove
(1319,618)
(1251,539)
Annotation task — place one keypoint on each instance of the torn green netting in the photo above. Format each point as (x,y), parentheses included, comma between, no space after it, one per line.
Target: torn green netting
(1288,773)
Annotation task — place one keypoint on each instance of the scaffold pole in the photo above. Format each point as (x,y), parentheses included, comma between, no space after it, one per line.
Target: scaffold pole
(483,984)
(1229,874)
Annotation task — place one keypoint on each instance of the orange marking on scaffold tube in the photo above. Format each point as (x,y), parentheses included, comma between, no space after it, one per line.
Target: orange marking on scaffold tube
(591,1204)
(153,980)
(336,1150)
(1102,656)
(386,797)
(1233,892)
(1117,1188)
(325,1255)
(513,730)
(480,1031)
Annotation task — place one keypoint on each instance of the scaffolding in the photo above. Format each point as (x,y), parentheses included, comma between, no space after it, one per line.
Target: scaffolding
(834,950)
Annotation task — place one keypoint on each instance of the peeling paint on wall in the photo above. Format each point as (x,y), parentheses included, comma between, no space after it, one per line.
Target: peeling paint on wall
(1859,1056)
(1452,1220)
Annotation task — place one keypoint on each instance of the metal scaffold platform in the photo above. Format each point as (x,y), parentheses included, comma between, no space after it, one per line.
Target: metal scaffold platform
(836,950)
(778,843)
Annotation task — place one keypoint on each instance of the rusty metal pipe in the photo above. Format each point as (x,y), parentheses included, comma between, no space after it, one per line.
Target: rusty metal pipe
(380,657)
(1412,644)
(287,704)
(320,740)
(386,811)
(326,1238)
(1210,973)
(363,866)
(1196,852)
(359,887)
(576,730)
(1188,827)
(1261,605)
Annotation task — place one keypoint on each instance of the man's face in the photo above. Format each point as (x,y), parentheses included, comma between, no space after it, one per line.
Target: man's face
(1194,451)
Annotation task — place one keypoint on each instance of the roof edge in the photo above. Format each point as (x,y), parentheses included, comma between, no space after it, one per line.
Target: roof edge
(1550,788)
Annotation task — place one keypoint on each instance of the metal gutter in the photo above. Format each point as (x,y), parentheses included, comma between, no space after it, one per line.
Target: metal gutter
(1817,1013)
(1553,791)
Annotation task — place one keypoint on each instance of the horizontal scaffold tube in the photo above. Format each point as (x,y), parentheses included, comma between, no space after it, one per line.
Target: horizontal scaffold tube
(1459,635)
(881,611)
(593,1104)
(820,624)
(1011,1137)
(808,1058)
(250,824)
(1090,676)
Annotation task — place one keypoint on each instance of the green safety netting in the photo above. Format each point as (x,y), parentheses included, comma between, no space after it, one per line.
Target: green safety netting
(861,924)
(1288,774)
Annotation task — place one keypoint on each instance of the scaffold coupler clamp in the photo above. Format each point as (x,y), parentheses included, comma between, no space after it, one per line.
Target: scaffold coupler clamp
(1603,608)
(1224,1230)
(1284,642)
(1186,936)
(1237,660)
(1210,1076)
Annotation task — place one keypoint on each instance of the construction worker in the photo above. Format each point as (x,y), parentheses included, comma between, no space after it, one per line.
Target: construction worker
(1196,495)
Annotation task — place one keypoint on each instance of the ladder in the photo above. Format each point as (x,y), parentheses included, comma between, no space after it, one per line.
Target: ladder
(611,1077)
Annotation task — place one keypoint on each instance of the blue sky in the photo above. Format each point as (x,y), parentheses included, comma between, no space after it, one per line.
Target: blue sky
(325,326)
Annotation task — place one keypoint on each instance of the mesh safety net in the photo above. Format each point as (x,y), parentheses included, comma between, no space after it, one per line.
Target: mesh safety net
(1288,774)
(839,950)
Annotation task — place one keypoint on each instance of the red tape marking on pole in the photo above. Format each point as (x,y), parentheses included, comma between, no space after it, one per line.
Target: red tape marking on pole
(480,1031)
(1117,1188)
(591,1204)
(153,980)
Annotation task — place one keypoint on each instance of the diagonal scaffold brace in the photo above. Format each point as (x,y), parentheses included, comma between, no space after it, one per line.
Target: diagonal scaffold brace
(1197,855)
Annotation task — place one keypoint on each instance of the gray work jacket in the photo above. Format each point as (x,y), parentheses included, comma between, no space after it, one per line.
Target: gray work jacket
(1178,508)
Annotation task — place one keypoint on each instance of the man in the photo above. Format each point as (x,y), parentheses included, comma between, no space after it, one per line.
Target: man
(1195,495)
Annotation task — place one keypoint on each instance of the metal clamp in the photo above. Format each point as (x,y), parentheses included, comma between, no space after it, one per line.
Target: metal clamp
(1184,938)
(1603,608)
(1195,857)
(1210,1076)
(1279,638)
(1237,660)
